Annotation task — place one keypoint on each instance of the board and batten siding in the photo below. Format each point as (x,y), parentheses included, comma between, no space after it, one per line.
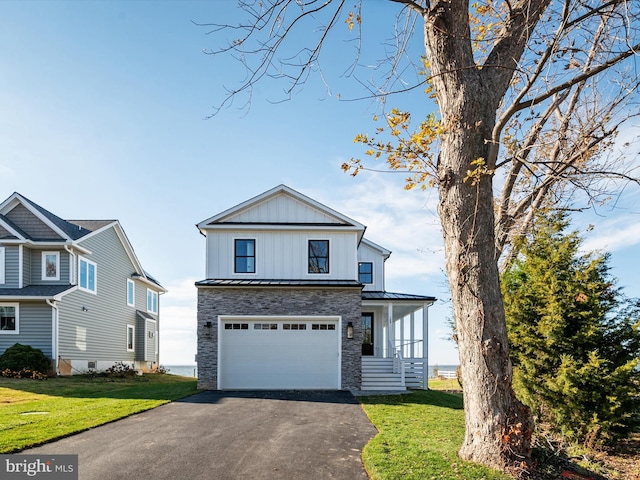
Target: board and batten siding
(368,254)
(100,332)
(282,254)
(35,326)
(11,266)
(282,209)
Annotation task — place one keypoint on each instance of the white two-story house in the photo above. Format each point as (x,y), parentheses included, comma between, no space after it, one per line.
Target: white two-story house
(294,298)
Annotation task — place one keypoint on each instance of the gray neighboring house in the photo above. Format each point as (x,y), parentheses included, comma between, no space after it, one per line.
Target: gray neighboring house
(294,298)
(76,290)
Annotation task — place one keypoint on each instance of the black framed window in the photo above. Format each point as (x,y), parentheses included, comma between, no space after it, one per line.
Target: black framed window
(245,256)
(318,256)
(365,272)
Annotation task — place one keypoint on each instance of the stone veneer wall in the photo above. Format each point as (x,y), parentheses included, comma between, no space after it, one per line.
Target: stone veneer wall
(212,302)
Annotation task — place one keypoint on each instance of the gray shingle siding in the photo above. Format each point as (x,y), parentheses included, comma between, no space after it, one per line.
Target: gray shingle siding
(4,233)
(35,326)
(213,302)
(31,225)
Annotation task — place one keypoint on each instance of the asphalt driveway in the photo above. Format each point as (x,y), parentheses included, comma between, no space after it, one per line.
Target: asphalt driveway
(228,435)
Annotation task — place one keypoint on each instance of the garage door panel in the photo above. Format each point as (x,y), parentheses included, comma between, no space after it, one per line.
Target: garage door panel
(256,358)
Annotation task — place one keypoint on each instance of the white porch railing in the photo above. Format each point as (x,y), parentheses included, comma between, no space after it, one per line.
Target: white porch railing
(413,371)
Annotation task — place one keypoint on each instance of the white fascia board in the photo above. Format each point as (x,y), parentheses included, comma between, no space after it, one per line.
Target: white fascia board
(148,282)
(8,227)
(386,253)
(123,240)
(16,198)
(289,227)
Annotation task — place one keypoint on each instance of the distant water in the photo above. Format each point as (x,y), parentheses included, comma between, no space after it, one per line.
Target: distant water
(182,370)
(441,368)
(191,370)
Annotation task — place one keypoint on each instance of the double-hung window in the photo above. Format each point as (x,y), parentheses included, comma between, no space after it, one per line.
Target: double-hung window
(131,293)
(318,256)
(9,318)
(50,265)
(245,256)
(365,272)
(87,273)
(152,301)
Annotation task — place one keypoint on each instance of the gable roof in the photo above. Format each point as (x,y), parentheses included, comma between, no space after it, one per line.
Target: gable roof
(374,246)
(70,232)
(66,230)
(281,206)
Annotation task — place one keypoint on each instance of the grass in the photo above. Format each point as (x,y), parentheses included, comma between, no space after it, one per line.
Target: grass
(35,412)
(419,436)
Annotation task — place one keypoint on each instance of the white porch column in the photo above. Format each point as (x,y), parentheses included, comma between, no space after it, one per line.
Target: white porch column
(403,340)
(425,346)
(391,333)
(412,335)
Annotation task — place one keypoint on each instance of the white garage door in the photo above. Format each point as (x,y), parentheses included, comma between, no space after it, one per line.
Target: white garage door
(268,353)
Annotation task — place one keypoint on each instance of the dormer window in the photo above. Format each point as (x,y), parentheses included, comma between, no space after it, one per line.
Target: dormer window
(318,256)
(245,256)
(50,265)
(365,272)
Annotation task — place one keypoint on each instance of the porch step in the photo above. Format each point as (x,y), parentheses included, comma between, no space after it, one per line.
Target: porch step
(377,374)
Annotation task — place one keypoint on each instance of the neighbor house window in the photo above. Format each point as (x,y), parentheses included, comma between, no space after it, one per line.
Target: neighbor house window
(318,256)
(2,265)
(131,337)
(131,293)
(245,256)
(50,265)
(9,318)
(87,271)
(365,272)
(152,301)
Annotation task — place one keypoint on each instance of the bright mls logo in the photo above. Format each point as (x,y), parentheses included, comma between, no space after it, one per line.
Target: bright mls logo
(51,467)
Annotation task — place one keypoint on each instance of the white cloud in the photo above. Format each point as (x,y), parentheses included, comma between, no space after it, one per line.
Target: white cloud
(612,235)
(402,221)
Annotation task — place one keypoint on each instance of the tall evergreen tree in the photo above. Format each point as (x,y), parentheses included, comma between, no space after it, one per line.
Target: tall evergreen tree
(574,337)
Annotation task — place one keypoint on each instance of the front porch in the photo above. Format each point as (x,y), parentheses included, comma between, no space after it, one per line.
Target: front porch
(395,341)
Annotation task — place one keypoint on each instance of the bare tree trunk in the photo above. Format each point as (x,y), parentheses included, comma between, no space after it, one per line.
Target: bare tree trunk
(498,426)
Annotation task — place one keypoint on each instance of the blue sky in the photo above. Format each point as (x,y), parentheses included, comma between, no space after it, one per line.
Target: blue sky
(102,115)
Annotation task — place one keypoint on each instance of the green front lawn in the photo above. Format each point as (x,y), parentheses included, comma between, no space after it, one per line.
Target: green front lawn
(419,436)
(33,412)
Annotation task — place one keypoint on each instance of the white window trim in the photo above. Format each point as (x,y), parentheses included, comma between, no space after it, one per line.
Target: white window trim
(44,266)
(153,294)
(17,330)
(133,330)
(2,265)
(133,293)
(95,280)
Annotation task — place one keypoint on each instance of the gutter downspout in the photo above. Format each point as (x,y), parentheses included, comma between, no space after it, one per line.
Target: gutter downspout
(54,333)
(72,265)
